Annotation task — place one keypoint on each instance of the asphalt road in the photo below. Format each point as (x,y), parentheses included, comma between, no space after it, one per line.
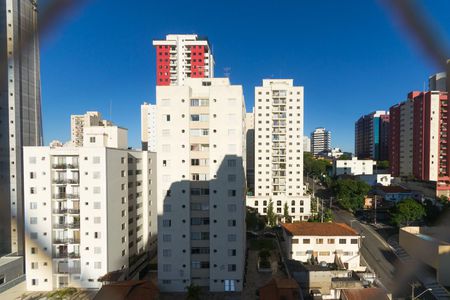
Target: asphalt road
(376,252)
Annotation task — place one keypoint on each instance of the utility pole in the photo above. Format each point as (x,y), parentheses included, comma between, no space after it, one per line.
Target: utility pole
(375,217)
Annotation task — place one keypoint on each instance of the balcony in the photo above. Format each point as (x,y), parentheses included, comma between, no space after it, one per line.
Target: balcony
(73,196)
(72,166)
(60,210)
(74,225)
(59,196)
(66,181)
(59,166)
(73,211)
(66,241)
(74,255)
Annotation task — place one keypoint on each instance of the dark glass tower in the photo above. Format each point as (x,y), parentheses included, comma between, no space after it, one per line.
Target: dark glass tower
(20,112)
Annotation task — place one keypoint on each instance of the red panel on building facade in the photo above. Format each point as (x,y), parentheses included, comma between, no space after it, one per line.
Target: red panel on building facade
(163,65)
(198,61)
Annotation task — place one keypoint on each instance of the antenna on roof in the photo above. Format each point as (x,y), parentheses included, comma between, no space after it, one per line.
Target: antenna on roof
(227,72)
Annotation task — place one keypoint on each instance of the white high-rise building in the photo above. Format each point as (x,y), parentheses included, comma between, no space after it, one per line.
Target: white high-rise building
(182,56)
(148,127)
(79,122)
(279,149)
(88,210)
(201,185)
(320,140)
(306,144)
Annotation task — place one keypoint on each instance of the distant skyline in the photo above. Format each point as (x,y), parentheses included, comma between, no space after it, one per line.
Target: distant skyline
(350,57)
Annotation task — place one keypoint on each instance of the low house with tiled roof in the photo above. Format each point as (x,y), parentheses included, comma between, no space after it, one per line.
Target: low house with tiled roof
(280,288)
(314,243)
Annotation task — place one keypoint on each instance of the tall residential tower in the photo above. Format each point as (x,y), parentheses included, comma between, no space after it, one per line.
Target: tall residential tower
(279,149)
(371,136)
(20,112)
(201,185)
(320,140)
(182,56)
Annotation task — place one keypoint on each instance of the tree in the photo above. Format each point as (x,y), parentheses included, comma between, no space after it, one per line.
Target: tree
(193,292)
(271,216)
(383,164)
(345,156)
(351,193)
(407,211)
(286,216)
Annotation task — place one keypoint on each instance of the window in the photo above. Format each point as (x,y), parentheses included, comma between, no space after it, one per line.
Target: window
(330,241)
(34,265)
(33,235)
(319,241)
(96,190)
(97,264)
(231,268)
(231,163)
(166,118)
(97,205)
(167,252)
(231,193)
(232,223)
(231,178)
(96,159)
(97,250)
(167,223)
(32,190)
(34,282)
(167,268)
(294,241)
(34,250)
(33,205)
(32,175)
(354,241)
(167,238)
(231,252)
(92,139)
(342,241)
(231,237)
(32,160)
(232,207)
(97,235)
(97,220)
(229,285)
(33,220)
(306,241)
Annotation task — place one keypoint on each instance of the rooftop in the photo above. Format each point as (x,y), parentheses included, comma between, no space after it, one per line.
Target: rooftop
(364,294)
(319,229)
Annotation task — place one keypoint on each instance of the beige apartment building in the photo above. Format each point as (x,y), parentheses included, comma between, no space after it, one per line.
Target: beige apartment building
(279,149)
(201,185)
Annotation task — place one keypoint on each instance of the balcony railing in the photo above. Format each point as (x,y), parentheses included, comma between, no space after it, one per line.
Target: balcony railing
(73,196)
(74,255)
(74,211)
(68,270)
(66,181)
(73,225)
(66,255)
(66,241)
(59,166)
(72,166)
(59,210)
(59,196)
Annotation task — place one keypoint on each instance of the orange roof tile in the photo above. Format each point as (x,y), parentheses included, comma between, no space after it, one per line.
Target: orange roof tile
(364,294)
(319,229)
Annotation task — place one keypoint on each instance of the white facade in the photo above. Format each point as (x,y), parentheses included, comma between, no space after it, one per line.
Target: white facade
(331,153)
(377,179)
(148,127)
(79,122)
(320,140)
(353,166)
(201,185)
(250,148)
(279,149)
(88,210)
(324,242)
(180,56)
(306,144)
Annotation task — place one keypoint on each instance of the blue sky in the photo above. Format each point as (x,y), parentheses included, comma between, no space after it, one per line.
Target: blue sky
(349,55)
